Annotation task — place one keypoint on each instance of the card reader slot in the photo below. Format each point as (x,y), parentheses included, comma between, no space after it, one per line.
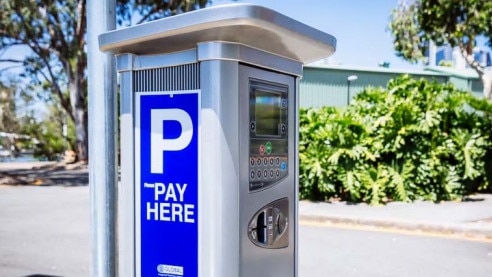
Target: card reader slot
(261,228)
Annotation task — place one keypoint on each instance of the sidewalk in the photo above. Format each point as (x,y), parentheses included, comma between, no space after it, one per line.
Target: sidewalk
(470,218)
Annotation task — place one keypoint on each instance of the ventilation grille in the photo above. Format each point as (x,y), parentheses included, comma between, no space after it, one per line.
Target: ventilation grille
(181,77)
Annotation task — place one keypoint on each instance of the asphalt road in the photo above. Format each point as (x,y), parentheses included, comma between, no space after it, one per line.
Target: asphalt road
(333,251)
(45,231)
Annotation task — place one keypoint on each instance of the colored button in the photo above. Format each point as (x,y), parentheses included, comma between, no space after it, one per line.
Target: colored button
(268,147)
(283,166)
(284,103)
(262,149)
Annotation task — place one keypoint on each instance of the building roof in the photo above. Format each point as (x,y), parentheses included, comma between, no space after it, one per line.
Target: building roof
(376,69)
(455,72)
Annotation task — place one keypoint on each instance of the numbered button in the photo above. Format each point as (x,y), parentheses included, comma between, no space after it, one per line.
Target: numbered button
(258,174)
(252,162)
(252,174)
(271,173)
(265,173)
(258,162)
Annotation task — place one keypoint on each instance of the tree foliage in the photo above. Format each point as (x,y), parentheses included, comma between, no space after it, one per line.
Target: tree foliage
(17,114)
(17,100)
(49,133)
(413,140)
(458,23)
(8,107)
(53,32)
(148,10)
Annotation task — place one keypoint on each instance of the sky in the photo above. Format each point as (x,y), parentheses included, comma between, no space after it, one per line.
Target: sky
(360,27)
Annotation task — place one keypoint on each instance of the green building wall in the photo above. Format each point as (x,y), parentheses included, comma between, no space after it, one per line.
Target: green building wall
(465,79)
(324,85)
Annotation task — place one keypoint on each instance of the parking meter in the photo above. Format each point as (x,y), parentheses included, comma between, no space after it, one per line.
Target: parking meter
(209,134)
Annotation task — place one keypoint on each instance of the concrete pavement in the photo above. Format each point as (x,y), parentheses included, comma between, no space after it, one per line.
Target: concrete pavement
(470,218)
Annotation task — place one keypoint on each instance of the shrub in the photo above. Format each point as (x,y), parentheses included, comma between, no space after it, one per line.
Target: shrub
(415,139)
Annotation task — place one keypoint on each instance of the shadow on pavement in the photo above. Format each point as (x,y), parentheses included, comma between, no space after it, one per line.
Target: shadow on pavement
(59,174)
(472,199)
(41,275)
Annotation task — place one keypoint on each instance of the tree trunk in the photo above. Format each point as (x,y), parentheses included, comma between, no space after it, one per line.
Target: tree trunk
(77,97)
(487,85)
(485,76)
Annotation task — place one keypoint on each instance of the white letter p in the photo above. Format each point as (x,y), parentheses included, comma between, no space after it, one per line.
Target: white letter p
(158,145)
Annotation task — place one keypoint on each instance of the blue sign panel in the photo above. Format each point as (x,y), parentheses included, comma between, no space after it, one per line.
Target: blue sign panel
(169,183)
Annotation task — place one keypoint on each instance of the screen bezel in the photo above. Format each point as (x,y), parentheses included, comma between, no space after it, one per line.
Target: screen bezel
(279,90)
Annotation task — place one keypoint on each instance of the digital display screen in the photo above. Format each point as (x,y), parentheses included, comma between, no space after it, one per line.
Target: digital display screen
(267,113)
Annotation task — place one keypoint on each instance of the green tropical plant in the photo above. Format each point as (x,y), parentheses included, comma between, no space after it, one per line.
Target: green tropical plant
(415,139)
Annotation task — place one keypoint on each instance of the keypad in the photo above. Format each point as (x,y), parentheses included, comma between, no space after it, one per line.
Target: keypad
(265,171)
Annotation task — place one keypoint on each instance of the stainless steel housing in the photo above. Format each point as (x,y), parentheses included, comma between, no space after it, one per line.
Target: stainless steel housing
(217,51)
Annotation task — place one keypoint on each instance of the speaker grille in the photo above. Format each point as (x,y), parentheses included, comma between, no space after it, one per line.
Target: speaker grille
(181,77)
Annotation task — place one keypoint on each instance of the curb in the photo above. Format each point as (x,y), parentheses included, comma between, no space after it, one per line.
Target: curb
(456,230)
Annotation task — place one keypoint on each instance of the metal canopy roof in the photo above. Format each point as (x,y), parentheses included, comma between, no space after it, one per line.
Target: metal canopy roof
(247,24)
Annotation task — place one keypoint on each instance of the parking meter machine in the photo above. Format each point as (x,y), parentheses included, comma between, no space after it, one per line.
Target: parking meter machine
(209,134)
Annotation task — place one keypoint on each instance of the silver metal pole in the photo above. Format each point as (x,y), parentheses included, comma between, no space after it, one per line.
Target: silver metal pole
(102,139)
